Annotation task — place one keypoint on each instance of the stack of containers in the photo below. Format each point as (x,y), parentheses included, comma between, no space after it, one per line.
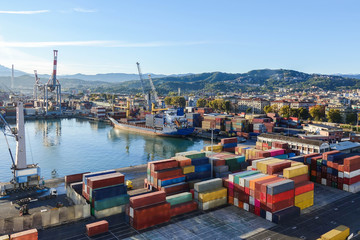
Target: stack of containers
(225,163)
(194,119)
(228,126)
(304,190)
(86,188)
(201,165)
(181,203)
(264,195)
(210,194)
(229,144)
(108,194)
(208,122)
(148,210)
(220,122)
(352,174)
(259,128)
(334,169)
(164,173)
(240,124)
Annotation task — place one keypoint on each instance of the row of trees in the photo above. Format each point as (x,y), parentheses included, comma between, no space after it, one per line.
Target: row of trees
(217,104)
(286,111)
(317,113)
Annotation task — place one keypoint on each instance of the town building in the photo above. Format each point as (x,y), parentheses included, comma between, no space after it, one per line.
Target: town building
(304,146)
(256,104)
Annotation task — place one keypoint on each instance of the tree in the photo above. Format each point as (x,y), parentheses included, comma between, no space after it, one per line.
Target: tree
(275,108)
(178,101)
(167,100)
(285,111)
(268,109)
(249,110)
(317,112)
(351,118)
(201,102)
(334,116)
(294,112)
(303,113)
(226,105)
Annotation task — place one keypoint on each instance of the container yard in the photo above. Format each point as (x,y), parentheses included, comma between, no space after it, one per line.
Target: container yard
(264,189)
(268,186)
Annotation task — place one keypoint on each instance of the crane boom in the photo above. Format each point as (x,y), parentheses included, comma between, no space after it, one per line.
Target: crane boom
(146,94)
(7,131)
(153,89)
(141,78)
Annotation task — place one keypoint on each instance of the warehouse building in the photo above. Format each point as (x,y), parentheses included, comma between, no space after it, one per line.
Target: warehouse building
(304,146)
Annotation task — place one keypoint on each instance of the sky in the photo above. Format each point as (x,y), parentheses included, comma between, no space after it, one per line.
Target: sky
(180,36)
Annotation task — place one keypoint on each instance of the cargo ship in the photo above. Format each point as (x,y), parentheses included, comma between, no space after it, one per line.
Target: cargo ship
(170,123)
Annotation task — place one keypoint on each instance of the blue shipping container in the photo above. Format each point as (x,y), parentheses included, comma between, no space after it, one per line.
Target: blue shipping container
(203,168)
(103,193)
(167,182)
(199,161)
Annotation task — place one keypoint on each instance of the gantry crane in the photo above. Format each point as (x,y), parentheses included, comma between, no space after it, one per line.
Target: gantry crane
(53,84)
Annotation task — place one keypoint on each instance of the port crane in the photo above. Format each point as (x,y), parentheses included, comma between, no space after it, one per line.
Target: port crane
(24,175)
(38,88)
(53,85)
(145,93)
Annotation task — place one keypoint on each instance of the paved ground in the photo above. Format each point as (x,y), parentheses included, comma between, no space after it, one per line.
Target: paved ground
(332,207)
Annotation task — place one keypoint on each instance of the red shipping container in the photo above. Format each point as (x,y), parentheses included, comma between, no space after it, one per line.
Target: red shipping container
(228,140)
(231,200)
(167,173)
(163,164)
(251,208)
(352,180)
(340,180)
(263,188)
(259,183)
(182,187)
(74,178)
(271,199)
(303,187)
(341,168)
(257,211)
(301,178)
(192,192)
(230,192)
(352,160)
(352,167)
(340,186)
(97,228)
(31,234)
(183,208)
(184,162)
(277,167)
(147,199)
(281,205)
(232,149)
(105,180)
(145,217)
(219,162)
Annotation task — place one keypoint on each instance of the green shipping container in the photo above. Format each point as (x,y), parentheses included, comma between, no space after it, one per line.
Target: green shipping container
(179,198)
(111,202)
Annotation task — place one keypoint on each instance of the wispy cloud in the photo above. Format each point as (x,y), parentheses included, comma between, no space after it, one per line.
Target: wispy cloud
(82,10)
(97,43)
(24,12)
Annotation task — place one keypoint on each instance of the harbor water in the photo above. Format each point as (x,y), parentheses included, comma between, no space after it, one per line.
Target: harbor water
(69,146)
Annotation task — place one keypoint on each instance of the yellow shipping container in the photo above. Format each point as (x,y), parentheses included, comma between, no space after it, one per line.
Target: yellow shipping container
(262,165)
(216,148)
(295,171)
(339,233)
(212,195)
(293,163)
(303,197)
(188,169)
(305,204)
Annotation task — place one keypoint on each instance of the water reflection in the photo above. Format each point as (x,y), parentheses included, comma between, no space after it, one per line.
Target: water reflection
(50,130)
(155,147)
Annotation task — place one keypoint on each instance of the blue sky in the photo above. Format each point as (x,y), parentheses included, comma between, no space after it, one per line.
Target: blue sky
(321,36)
